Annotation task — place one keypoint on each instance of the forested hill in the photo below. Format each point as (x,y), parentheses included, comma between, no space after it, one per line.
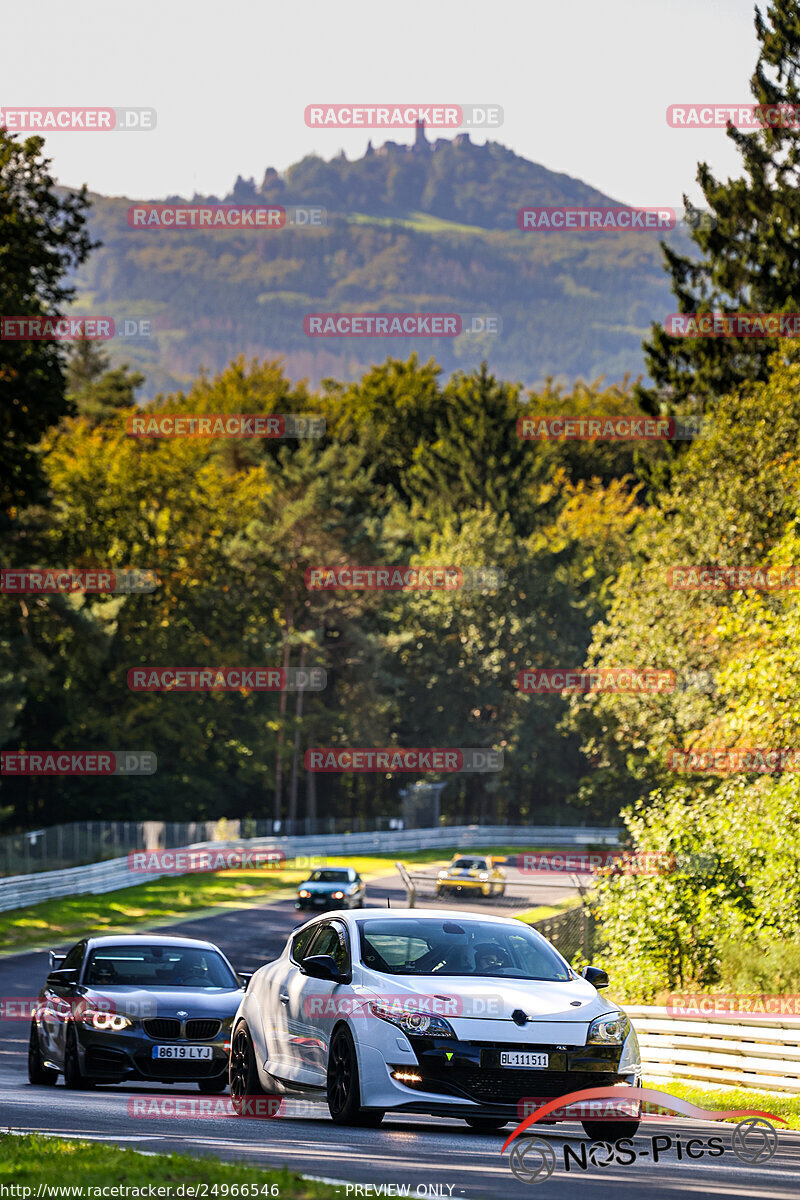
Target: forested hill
(431,229)
(456,180)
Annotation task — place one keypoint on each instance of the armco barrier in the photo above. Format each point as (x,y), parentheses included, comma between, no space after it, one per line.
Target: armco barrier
(19,890)
(737,1051)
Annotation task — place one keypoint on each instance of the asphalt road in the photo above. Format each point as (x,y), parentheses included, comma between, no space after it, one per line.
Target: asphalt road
(432,1157)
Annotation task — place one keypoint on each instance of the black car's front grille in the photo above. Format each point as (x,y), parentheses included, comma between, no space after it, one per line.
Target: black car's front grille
(162,1027)
(200,1030)
(170,1068)
(500,1086)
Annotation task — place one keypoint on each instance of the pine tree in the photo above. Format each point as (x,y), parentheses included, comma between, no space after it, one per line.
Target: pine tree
(751,254)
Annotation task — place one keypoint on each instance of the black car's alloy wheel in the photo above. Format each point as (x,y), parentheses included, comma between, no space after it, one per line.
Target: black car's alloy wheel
(37,1071)
(74,1077)
(344,1097)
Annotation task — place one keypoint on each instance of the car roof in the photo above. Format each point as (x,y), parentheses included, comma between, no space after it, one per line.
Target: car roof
(150,940)
(395,914)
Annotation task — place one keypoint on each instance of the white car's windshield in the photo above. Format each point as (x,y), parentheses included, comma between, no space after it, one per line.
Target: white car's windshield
(421,946)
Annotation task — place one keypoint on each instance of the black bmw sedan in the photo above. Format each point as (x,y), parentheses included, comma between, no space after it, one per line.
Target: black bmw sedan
(142,1007)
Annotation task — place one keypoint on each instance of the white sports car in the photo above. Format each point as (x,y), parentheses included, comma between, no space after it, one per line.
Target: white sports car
(440,1012)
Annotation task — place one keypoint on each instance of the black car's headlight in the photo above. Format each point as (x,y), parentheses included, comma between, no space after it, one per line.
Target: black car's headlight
(107,1022)
(337,896)
(610,1030)
(412,1022)
(304,894)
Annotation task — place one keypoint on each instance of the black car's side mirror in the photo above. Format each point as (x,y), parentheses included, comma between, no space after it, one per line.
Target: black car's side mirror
(596,976)
(321,966)
(56,959)
(64,977)
(245,977)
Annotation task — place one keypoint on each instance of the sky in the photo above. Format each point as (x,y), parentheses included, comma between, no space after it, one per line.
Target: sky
(584,86)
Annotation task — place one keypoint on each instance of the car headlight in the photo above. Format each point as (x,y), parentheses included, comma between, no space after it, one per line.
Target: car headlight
(106,1021)
(338,896)
(610,1030)
(483,875)
(414,1023)
(444,874)
(304,895)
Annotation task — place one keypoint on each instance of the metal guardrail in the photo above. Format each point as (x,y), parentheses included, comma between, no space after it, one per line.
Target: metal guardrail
(740,1051)
(20,890)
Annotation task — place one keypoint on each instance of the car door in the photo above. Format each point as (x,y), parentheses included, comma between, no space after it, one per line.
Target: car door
(274,990)
(312,1005)
(58,1006)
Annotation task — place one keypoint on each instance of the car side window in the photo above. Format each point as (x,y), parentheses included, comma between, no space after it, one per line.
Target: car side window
(301,943)
(332,940)
(74,958)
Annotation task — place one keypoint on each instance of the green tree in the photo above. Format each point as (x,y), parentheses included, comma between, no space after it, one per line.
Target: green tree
(42,237)
(750,255)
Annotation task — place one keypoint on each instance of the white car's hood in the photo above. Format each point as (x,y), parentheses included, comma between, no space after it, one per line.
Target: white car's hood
(487,998)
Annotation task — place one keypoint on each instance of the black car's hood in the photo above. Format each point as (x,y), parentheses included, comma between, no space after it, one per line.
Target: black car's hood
(164,1002)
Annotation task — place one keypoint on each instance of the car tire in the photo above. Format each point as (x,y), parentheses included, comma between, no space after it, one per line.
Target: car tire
(211,1087)
(37,1071)
(242,1069)
(609,1131)
(486,1124)
(343,1091)
(74,1077)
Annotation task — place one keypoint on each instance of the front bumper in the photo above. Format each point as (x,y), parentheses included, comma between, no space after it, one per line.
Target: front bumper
(472,1083)
(322,903)
(115,1057)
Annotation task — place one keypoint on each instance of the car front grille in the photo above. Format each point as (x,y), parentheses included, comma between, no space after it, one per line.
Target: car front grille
(162,1027)
(201,1030)
(512,1086)
(168,1068)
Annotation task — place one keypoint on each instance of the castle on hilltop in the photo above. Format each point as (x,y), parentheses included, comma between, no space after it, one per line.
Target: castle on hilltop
(421,144)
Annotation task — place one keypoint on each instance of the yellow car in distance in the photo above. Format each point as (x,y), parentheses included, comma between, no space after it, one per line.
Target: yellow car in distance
(471,873)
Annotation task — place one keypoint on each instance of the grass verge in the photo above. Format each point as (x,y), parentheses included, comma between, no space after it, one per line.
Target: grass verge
(33,1159)
(781,1105)
(548,910)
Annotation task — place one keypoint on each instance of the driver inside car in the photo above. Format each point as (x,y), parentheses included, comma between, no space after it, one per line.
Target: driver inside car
(491,958)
